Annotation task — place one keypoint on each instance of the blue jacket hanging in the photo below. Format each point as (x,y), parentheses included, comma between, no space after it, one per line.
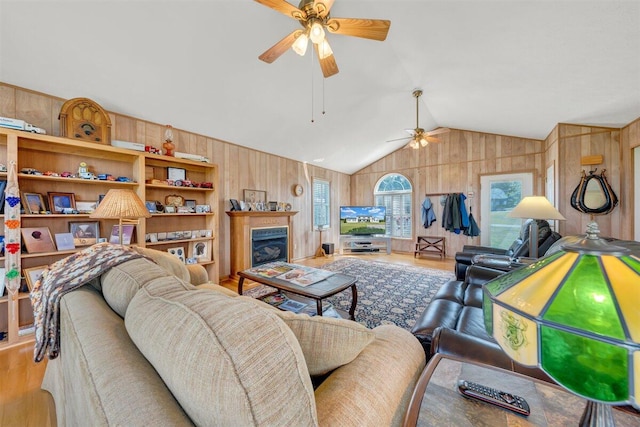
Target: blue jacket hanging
(428,215)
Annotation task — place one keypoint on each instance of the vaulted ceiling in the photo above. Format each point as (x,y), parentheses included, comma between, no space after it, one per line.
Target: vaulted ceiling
(505,67)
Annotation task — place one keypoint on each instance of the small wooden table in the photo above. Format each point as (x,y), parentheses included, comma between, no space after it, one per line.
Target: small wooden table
(431,245)
(316,291)
(437,402)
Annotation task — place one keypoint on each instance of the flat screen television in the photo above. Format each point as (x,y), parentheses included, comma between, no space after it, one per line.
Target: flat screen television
(362,220)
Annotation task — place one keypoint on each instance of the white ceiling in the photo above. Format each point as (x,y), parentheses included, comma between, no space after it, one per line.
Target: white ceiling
(505,67)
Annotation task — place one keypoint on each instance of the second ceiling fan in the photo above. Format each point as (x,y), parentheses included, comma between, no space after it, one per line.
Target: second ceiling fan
(314,17)
(420,138)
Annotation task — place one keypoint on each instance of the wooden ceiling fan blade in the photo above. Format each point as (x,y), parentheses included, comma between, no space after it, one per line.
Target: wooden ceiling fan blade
(284,8)
(327,64)
(322,7)
(432,139)
(399,139)
(438,131)
(275,51)
(374,29)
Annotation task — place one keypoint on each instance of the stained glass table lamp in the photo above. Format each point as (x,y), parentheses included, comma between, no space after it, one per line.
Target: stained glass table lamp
(576,315)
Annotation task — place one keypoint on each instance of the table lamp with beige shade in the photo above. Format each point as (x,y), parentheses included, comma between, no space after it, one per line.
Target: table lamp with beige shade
(123,204)
(535,207)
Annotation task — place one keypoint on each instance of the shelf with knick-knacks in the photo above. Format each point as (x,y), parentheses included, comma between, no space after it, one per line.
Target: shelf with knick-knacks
(53,165)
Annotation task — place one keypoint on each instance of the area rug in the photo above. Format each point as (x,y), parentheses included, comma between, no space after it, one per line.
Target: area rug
(387,293)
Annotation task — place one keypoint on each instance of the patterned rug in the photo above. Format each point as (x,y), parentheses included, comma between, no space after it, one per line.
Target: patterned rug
(387,293)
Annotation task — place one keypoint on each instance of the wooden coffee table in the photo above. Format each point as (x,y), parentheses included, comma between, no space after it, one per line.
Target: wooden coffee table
(316,291)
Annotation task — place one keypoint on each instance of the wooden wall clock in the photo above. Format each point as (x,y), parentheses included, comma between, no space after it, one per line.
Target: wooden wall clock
(81,118)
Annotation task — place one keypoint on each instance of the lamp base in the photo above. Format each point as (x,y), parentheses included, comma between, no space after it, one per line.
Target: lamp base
(597,414)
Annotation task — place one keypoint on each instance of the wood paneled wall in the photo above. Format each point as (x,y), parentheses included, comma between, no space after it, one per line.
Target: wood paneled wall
(239,167)
(453,166)
(574,142)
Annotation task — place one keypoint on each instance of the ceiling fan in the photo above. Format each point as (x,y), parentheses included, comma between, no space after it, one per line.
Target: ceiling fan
(314,17)
(420,138)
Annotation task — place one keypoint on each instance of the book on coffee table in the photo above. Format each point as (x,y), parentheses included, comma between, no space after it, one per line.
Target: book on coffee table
(297,274)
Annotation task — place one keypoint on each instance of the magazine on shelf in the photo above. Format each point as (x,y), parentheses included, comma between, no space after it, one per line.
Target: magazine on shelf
(292,305)
(274,299)
(297,274)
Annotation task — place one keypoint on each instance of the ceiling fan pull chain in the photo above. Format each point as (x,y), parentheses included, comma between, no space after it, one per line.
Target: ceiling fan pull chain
(312,118)
(323,110)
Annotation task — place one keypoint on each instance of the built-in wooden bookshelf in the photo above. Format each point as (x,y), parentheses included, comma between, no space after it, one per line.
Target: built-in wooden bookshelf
(54,154)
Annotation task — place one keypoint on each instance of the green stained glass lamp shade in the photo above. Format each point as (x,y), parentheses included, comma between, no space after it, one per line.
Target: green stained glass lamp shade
(576,315)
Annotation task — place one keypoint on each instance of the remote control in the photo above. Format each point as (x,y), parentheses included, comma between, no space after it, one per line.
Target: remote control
(499,398)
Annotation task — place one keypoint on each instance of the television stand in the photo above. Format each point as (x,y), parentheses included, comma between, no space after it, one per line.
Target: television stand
(364,244)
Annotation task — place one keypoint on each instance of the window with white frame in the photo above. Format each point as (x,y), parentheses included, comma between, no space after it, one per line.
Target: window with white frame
(321,203)
(395,193)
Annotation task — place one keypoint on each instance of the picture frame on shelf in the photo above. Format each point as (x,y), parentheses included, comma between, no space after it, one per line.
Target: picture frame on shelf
(176,174)
(38,240)
(205,208)
(85,233)
(200,250)
(32,274)
(191,204)
(254,196)
(85,207)
(169,209)
(178,252)
(65,241)
(33,203)
(127,234)
(235,206)
(151,206)
(61,202)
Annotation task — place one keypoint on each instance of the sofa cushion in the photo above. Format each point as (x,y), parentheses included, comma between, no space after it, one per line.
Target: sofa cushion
(327,343)
(120,283)
(167,261)
(224,361)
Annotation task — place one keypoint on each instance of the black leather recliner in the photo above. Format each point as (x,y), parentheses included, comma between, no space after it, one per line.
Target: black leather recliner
(453,323)
(519,248)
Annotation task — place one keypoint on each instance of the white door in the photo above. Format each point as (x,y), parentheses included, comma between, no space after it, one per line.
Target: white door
(499,194)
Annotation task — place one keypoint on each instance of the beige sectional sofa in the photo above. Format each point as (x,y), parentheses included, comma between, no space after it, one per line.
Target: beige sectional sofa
(144,346)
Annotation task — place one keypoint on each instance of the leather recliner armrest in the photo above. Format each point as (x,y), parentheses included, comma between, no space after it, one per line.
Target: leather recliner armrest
(451,342)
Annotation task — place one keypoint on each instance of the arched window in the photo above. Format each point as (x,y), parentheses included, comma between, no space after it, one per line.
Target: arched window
(394,191)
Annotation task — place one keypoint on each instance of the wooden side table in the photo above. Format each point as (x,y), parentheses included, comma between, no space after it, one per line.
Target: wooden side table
(431,245)
(436,401)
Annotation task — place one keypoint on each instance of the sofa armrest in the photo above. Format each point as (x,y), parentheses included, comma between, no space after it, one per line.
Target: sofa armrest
(198,274)
(376,387)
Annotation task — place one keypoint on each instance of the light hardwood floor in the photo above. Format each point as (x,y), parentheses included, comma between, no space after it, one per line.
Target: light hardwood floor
(23,404)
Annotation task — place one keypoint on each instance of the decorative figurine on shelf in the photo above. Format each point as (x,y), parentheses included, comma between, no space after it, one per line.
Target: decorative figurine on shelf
(168,145)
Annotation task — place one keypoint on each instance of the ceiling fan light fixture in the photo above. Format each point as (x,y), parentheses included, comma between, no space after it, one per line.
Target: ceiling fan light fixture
(423,141)
(300,45)
(324,50)
(415,144)
(316,32)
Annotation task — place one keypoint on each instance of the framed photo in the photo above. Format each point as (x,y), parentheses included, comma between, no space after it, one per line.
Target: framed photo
(151,206)
(175,174)
(273,206)
(31,275)
(178,252)
(37,240)
(61,202)
(235,206)
(65,241)
(127,234)
(200,251)
(85,207)
(203,208)
(254,196)
(85,233)
(33,203)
